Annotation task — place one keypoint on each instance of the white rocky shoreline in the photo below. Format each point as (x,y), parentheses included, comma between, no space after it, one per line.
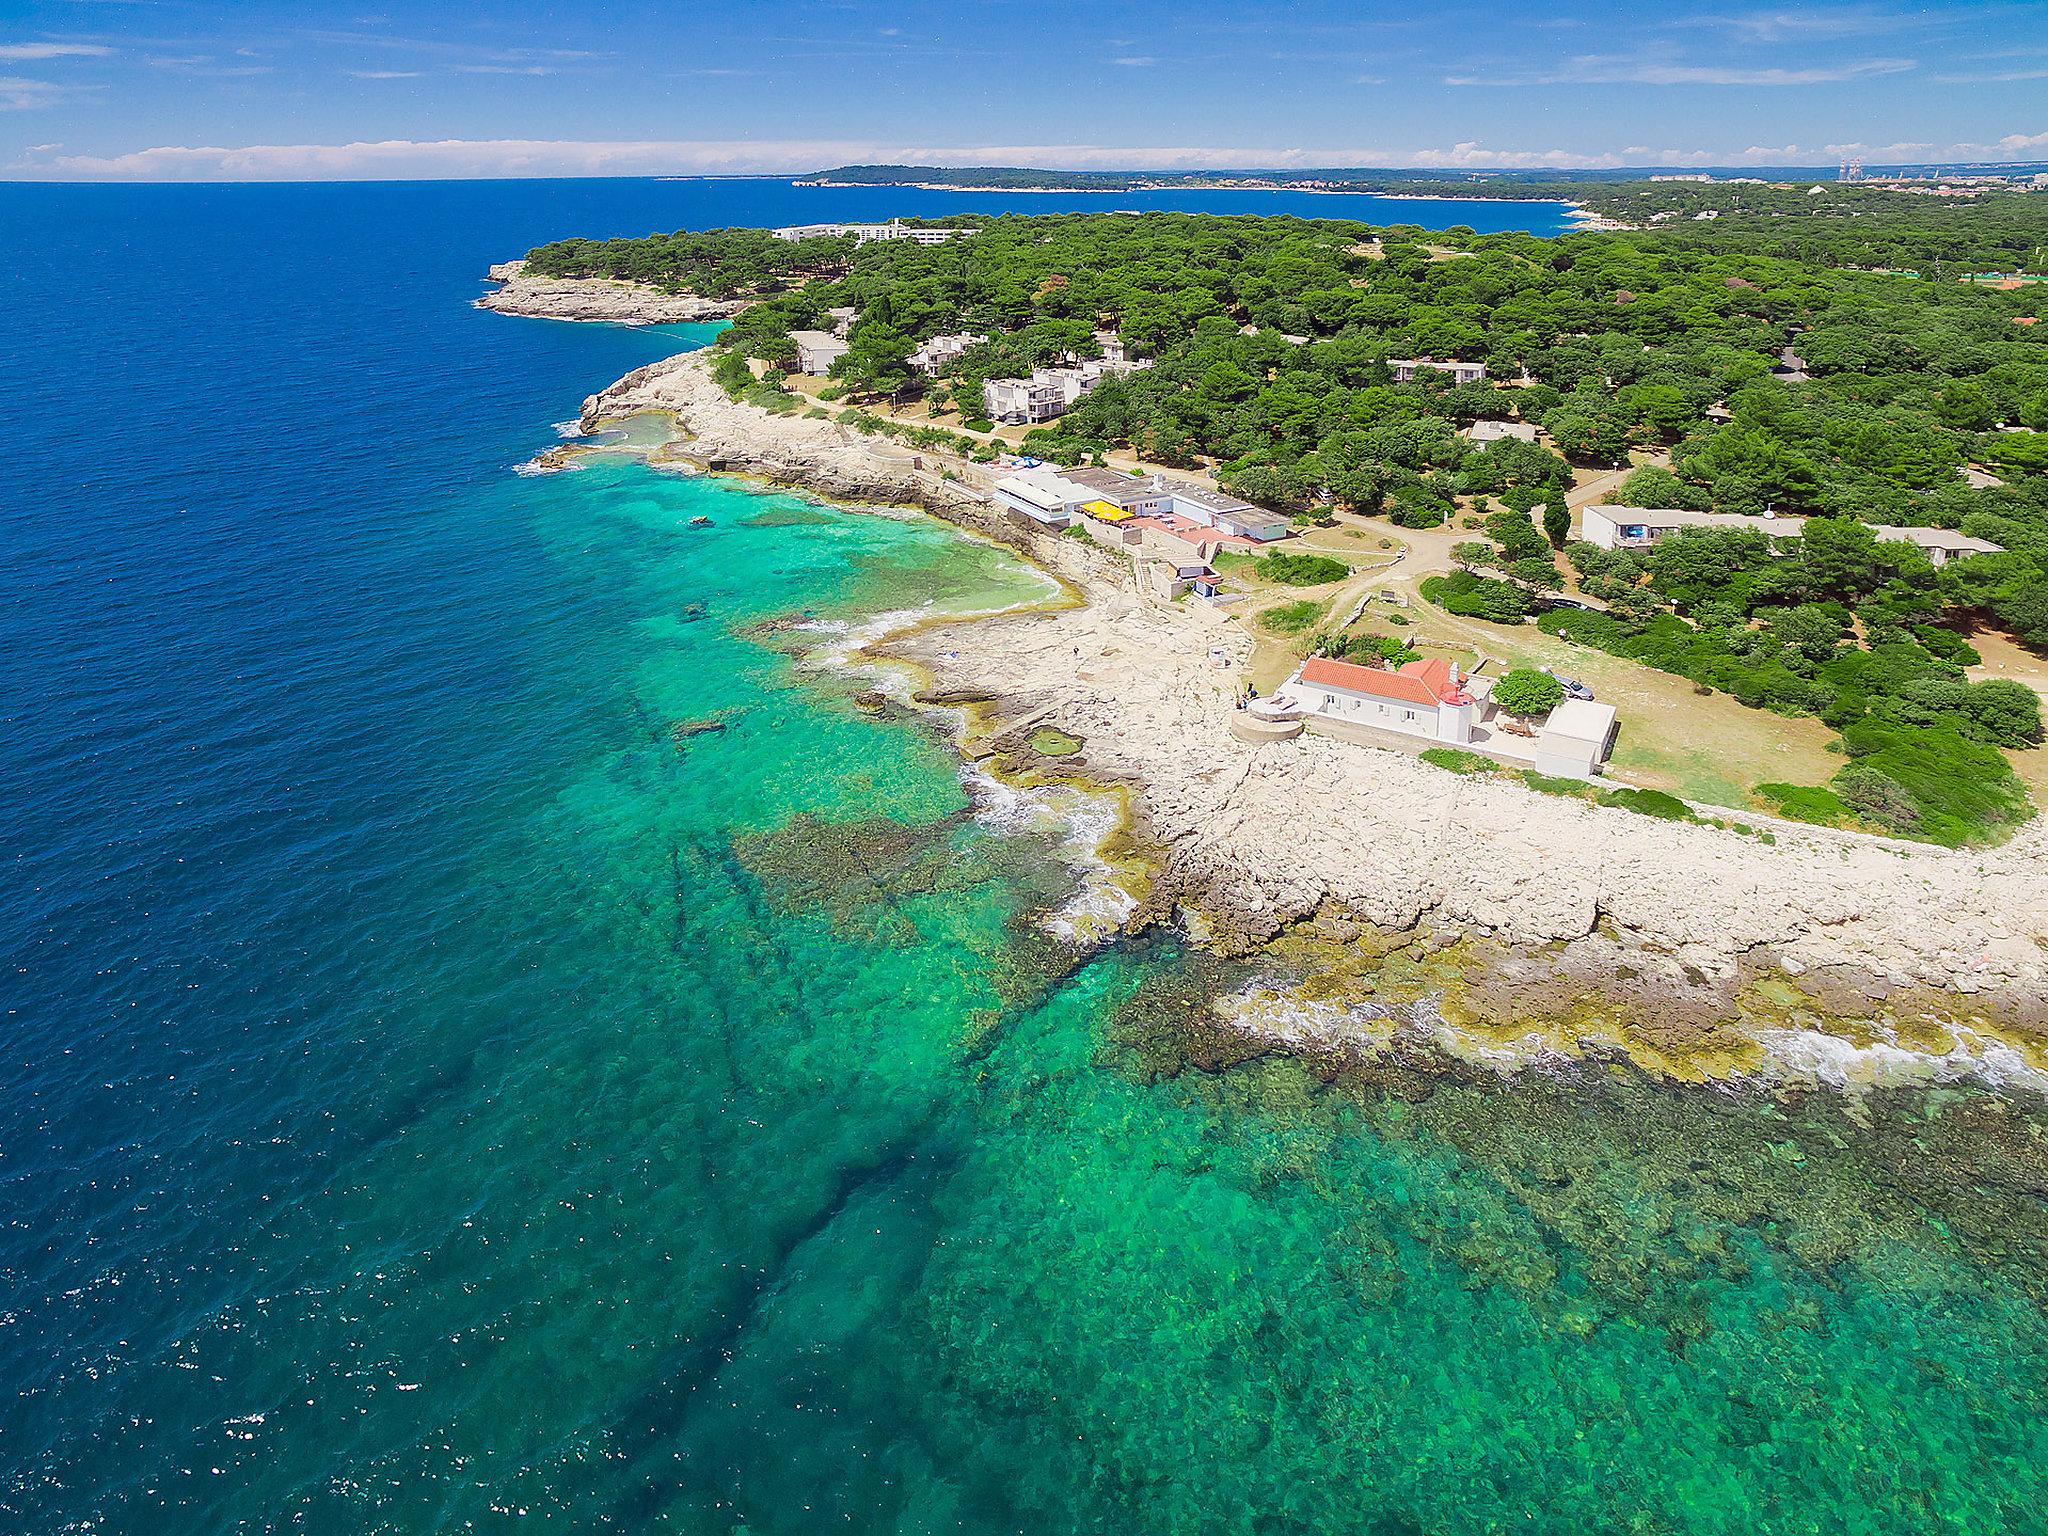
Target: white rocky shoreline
(579,298)
(1614,924)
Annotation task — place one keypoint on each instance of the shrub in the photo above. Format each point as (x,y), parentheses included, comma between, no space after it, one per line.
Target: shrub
(1395,652)
(1417,517)
(731,373)
(1477,597)
(1878,796)
(979,424)
(1648,802)
(1301,570)
(1524,691)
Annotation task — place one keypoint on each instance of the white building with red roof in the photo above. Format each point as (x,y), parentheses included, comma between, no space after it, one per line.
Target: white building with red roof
(1425,698)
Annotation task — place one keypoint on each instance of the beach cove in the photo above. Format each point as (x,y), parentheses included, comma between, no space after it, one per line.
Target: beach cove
(508,1025)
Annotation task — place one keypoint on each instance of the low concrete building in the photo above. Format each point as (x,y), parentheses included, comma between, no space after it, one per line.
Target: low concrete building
(842,318)
(1575,739)
(1424,698)
(1408,369)
(817,351)
(1164,497)
(1609,527)
(1226,513)
(1143,494)
(1496,431)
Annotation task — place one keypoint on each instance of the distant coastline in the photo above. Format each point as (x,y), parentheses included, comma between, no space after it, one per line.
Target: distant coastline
(1571,208)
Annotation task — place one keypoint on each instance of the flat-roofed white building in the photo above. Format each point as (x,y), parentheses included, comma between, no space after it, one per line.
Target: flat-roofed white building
(1043,494)
(1610,527)
(1153,495)
(1408,369)
(1145,495)
(1047,393)
(895,229)
(1575,739)
(1497,431)
(934,356)
(1219,509)
(817,351)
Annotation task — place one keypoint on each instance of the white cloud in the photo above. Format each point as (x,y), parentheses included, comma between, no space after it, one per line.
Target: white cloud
(384,74)
(1808,23)
(504,69)
(53,51)
(1136,61)
(1996,77)
(465,159)
(18,94)
(1632,69)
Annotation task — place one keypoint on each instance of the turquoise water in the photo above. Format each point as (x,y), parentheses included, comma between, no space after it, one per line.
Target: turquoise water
(496,1039)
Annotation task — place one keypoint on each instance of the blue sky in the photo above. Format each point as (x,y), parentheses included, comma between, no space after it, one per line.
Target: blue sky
(178,89)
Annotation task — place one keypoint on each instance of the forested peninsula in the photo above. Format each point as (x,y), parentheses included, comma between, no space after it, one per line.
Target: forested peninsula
(1740,376)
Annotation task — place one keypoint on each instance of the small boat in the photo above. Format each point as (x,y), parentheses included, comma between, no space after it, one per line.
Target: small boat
(700,522)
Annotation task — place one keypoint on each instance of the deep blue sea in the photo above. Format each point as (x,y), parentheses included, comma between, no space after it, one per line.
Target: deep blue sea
(490,1038)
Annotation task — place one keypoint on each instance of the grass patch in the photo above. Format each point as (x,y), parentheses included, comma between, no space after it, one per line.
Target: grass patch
(1544,784)
(1644,802)
(1813,804)
(1291,618)
(1301,570)
(1458,760)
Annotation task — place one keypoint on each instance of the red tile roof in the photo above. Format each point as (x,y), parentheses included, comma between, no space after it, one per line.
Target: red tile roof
(1426,682)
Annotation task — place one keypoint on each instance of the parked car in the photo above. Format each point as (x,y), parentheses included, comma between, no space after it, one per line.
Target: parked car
(1573,688)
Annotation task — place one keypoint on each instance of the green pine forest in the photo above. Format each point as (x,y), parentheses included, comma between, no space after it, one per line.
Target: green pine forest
(1269,339)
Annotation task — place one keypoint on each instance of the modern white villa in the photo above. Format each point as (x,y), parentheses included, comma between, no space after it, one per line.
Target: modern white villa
(817,351)
(1640,527)
(1408,369)
(1047,393)
(1050,392)
(933,357)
